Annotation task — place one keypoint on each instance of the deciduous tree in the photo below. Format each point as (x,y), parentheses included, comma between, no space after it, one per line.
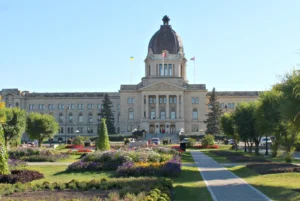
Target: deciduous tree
(41,126)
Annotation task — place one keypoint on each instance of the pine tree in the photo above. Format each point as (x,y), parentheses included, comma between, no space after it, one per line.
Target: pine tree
(103,140)
(107,113)
(213,120)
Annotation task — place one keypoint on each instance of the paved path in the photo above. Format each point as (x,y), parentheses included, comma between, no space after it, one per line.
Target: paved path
(222,184)
(47,163)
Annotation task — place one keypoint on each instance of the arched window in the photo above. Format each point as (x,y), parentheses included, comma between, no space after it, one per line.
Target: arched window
(80,118)
(90,117)
(195,113)
(61,118)
(70,117)
(162,114)
(130,114)
(152,114)
(170,70)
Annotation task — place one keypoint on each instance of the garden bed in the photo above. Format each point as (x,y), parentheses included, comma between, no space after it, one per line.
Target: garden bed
(237,157)
(273,168)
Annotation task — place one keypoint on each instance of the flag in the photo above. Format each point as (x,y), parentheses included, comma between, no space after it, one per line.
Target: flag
(131,58)
(164,54)
(192,59)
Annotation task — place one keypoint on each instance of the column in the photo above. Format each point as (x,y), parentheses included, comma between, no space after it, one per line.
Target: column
(147,107)
(157,107)
(143,106)
(167,107)
(177,106)
(182,106)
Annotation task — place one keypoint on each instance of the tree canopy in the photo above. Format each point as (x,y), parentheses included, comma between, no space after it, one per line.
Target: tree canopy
(214,115)
(106,112)
(41,126)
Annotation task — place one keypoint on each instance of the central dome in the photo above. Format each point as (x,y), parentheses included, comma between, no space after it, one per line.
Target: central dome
(165,39)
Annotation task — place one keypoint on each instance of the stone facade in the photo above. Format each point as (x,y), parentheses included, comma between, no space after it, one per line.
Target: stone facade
(163,102)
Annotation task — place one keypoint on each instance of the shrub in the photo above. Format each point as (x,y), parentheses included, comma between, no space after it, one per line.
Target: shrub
(78,140)
(208,140)
(22,176)
(191,143)
(15,164)
(103,140)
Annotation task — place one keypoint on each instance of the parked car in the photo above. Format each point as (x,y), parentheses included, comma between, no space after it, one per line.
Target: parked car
(185,140)
(155,141)
(231,141)
(265,140)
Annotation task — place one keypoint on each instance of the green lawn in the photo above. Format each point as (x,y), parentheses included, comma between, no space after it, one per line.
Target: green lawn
(189,185)
(280,187)
(71,159)
(58,174)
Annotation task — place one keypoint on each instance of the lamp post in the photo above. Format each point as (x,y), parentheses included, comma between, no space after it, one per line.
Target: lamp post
(66,124)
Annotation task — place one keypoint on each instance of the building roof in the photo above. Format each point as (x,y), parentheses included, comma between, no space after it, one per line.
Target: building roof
(165,39)
(235,93)
(72,94)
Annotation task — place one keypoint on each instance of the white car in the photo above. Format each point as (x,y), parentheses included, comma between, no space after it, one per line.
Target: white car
(265,140)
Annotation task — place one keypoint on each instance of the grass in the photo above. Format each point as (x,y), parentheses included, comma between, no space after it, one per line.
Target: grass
(280,187)
(190,185)
(58,174)
(71,159)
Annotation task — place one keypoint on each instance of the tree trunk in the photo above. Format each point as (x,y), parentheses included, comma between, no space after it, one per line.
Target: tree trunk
(251,146)
(257,148)
(245,148)
(40,142)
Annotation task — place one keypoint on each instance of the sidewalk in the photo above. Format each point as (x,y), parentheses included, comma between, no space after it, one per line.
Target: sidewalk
(222,184)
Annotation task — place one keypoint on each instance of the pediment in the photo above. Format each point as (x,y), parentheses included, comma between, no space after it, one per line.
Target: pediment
(162,86)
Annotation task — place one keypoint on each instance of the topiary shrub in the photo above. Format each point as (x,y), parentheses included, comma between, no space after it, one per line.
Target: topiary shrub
(103,140)
(79,140)
(208,140)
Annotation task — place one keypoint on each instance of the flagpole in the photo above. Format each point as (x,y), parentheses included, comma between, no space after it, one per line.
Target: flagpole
(194,70)
(131,71)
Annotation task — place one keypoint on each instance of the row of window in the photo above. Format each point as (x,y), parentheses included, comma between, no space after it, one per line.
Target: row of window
(71,130)
(130,100)
(162,100)
(230,105)
(162,114)
(80,118)
(166,69)
(68,106)
(195,100)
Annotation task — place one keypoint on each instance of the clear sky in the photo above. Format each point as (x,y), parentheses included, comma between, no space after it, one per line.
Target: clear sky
(84,46)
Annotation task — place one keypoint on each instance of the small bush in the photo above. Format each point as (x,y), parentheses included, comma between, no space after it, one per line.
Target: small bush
(78,140)
(208,140)
(191,143)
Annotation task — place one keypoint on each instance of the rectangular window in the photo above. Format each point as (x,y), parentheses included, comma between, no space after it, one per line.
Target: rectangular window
(99,106)
(118,106)
(170,70)
(162,115)
(197,100)
(154,100)
(80,118)
(72,107)
(80,106)
(89,106)
(175,100)
(41,106)
(173,115)
(166,69)
(152,115)
(193,100)
(129,100)
(160,100)
(171,100)
(132,100)
(165,100)
(161,71)
(150,100)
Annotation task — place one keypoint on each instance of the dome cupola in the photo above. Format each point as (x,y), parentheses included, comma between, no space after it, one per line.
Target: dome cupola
(165,39)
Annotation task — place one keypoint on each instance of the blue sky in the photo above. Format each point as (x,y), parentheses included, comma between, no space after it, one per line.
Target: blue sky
(84,46)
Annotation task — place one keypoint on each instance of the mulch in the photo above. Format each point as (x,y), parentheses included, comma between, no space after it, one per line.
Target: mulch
(273,168)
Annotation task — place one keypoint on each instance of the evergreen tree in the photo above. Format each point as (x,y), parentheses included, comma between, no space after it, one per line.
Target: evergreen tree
(103,140)
(107,113)
(213,120)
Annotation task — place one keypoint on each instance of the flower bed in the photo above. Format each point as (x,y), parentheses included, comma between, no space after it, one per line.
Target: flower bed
(206,147)
(111,160)
(238,157)
(74,146)
(273,168)
(171,168)
(22,176)
(36,154)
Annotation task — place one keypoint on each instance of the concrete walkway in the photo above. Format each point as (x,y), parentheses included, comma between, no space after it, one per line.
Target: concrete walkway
(47,163)
(222,184)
